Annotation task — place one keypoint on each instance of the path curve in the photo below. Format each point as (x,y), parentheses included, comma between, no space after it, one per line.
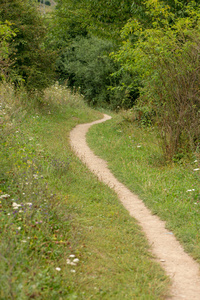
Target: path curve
(182,269)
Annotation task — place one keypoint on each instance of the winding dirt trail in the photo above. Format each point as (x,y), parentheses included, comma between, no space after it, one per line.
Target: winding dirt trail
(182,269)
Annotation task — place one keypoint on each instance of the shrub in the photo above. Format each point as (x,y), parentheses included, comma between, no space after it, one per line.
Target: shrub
(32,63)
(166,59)
(87,67)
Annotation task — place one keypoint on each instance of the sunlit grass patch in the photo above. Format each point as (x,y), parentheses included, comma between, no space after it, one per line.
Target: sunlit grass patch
(170,190)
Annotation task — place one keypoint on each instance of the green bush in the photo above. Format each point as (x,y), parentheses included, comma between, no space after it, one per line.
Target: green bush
(165,59)
(87,67)
(32,63)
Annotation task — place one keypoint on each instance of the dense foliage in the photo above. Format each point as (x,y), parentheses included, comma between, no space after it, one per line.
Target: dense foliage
(118,54)
(164,58)
(31,62)
(86,67)
(6,34)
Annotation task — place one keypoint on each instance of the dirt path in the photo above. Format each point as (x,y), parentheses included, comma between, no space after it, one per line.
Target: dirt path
(181,268)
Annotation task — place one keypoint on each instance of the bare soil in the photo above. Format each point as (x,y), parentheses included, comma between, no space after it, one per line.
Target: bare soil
(181,268)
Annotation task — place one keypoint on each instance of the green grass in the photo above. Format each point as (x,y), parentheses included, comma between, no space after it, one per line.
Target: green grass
(53,208)
(170,191)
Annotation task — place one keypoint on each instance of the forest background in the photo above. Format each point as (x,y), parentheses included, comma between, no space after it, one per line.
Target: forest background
(140,55)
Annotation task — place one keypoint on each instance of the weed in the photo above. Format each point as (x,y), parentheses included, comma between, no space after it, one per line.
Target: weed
(64,235)
(171,191)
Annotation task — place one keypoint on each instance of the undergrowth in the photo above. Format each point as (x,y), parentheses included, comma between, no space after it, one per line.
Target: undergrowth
(64,235)
(170,190)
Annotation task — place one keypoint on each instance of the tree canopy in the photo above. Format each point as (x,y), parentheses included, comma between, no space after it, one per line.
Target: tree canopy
(31,62)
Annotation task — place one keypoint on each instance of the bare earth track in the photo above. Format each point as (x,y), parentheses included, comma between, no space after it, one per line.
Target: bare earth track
(182,269)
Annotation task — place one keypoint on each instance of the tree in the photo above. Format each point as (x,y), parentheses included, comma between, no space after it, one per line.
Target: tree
(31,61)
(86,66)
(70,20)
(6,34)
(165,59)
(101,18)
(108,17)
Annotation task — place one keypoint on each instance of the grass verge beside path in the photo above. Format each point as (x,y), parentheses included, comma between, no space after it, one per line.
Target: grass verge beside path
(170,191)
(64,235)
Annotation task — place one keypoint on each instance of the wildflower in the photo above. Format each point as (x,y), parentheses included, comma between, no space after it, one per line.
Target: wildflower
(15,205)
(138,146)
(23,241)
(8,214)
(196,169)
(191,190)
(58,269)
(73,271)
(72,255)
(4,196)
(69,262)
(75,260)
(35,176)
(19,228)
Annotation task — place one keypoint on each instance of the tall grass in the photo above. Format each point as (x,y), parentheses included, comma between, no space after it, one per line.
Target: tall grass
(171,191)
(64,235)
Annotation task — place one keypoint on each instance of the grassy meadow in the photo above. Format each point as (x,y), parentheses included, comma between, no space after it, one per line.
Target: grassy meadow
(64,235)
(172,191)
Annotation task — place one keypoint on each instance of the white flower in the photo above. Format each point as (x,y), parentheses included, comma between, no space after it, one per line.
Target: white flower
(138,146)
(19,228)
(72,255)
(23,241)
(73,271)
(69,262)
(4,196)
(196,169)
(35,176)
(191,190)
(75,260)
(58,269)
(15,205)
